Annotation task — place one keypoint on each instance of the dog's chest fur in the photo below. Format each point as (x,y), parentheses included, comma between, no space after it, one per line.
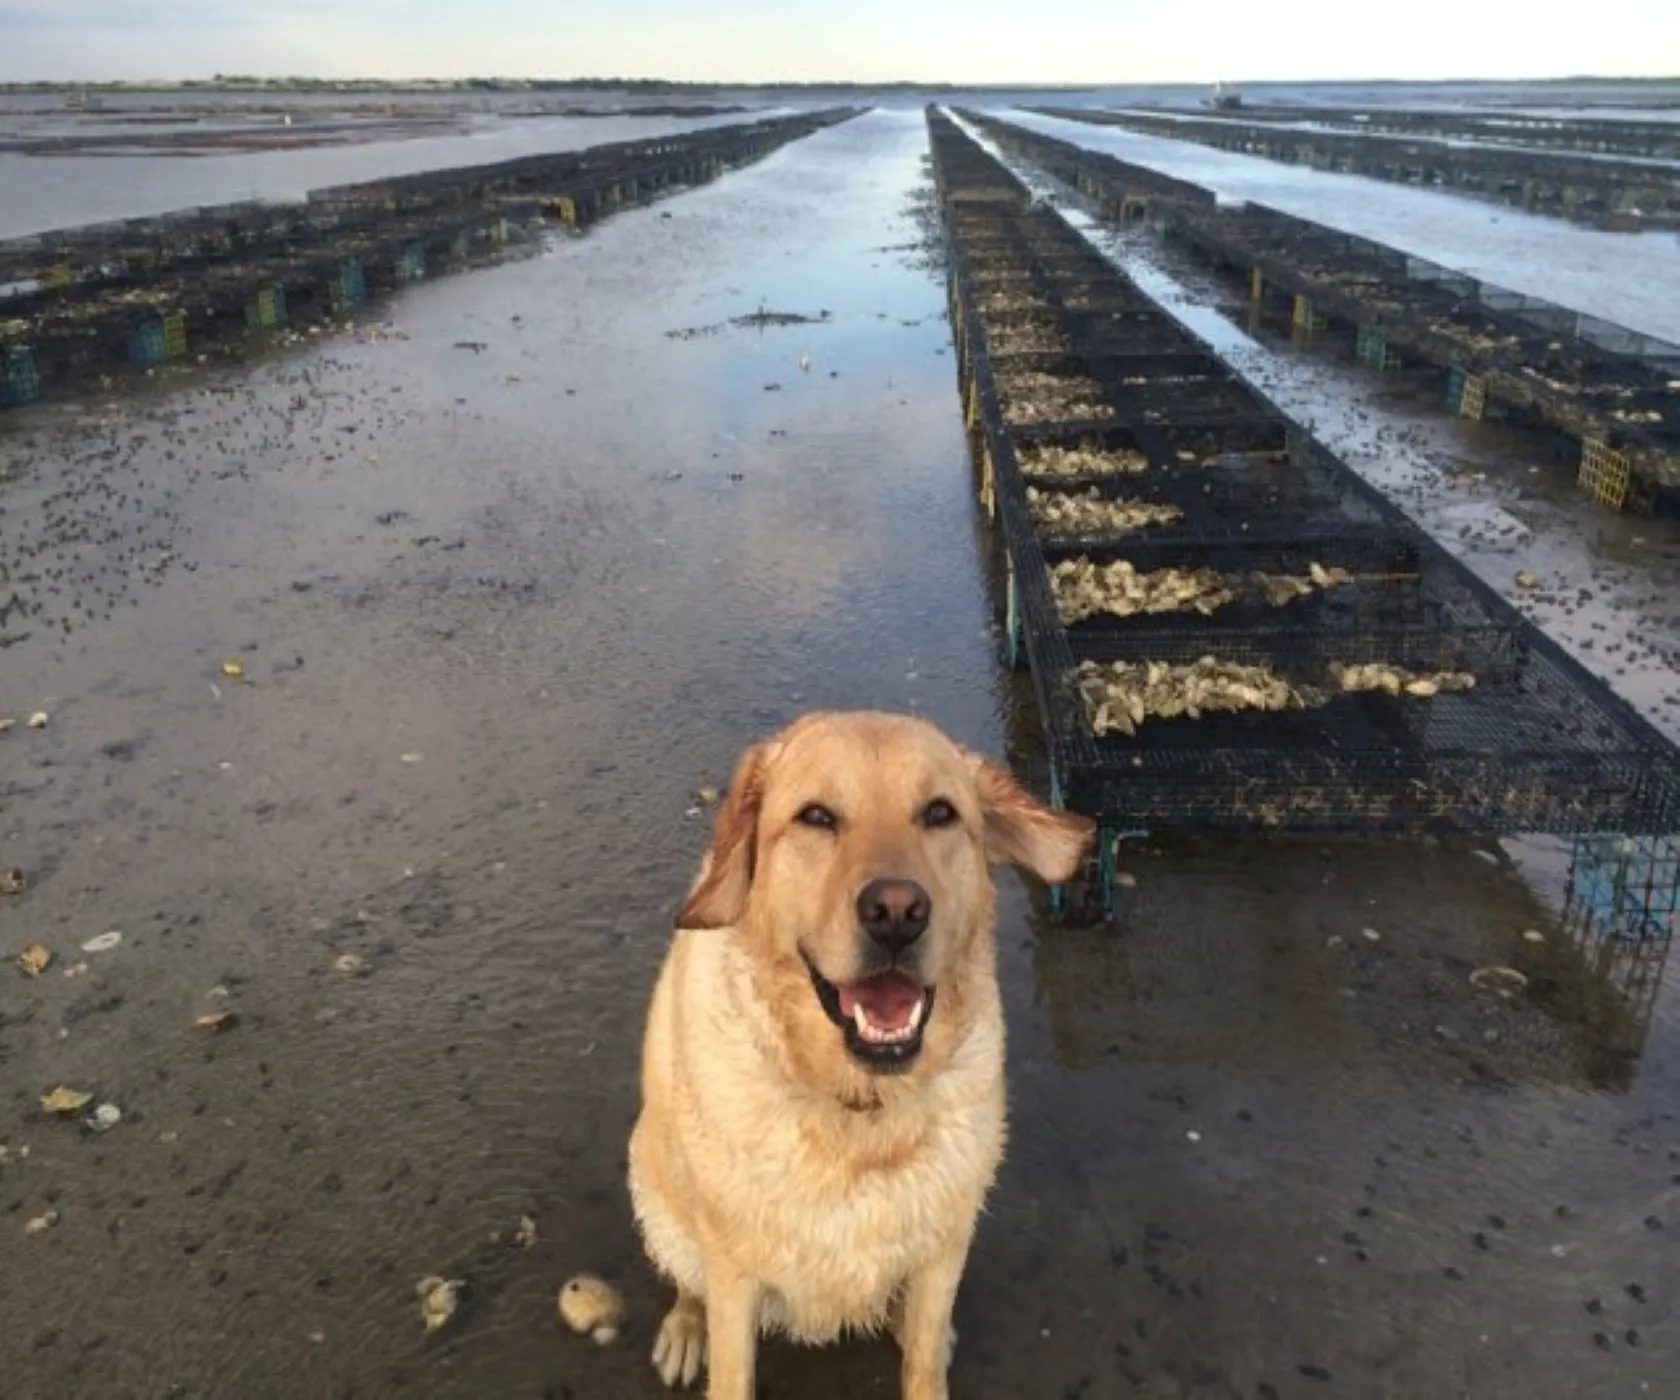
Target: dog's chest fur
(833,1233)
(831,1206)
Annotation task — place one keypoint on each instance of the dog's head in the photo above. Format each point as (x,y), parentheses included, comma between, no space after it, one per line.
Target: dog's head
(853,852)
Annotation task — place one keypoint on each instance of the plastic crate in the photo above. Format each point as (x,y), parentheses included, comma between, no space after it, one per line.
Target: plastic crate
(1604,474)
(20,379)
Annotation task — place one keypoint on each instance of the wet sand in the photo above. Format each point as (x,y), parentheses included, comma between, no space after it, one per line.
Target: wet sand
(502,613)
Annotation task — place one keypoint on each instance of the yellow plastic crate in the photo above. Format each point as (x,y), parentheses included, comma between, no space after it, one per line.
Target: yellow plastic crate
(1474,398)
(175,335)
(1604,473)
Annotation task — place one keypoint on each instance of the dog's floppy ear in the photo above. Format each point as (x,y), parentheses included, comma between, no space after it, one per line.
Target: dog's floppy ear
(719,896)
(1021,830)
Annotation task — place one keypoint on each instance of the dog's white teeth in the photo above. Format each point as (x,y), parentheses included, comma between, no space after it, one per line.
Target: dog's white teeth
(883,1035)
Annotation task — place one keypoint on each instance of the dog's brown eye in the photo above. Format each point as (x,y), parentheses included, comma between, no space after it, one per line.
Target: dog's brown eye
(815,814)
(939,812)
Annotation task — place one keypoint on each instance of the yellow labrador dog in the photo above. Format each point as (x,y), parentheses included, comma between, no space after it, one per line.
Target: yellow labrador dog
(822,1069)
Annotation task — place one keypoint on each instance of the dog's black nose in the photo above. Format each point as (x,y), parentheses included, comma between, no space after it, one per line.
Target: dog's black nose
(894,912)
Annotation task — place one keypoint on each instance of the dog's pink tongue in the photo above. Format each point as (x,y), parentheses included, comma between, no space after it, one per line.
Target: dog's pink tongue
(886,1000)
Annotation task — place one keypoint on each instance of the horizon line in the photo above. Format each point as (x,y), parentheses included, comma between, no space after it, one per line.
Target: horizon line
(252,79)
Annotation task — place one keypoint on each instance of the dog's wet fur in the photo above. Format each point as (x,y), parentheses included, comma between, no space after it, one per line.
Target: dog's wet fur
(823,1107)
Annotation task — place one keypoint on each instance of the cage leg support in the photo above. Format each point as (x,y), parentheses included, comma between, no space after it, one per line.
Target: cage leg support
(1108,864)
(1058,893)
(1012,616)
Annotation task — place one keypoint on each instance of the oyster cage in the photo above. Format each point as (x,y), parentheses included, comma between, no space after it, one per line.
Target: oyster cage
(1602,386)
(1532,743)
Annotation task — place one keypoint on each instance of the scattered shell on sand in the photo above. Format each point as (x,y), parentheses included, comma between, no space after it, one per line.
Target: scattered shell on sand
(1395,680)
(1506,981)
(350,964)
(35,959)
(13,881)
(103,942)
(439,1297)
(216,1020)
(1120,696)
(1082,461)
(1528,580)
(104,1118)
(592,1306)
(526,1235)
(1092,513)
(40,1224)
(62,1100)
(234,670)
(38,720)
(6,724)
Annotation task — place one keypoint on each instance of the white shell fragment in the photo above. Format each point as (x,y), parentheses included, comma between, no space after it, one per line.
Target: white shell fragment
(1506,981)
(103,942)
(592,1307)
(439,1297)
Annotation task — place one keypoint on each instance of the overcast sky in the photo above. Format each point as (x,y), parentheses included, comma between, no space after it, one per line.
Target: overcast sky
(937,40)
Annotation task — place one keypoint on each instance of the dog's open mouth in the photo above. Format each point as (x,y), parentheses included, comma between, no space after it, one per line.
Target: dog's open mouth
(883,1016)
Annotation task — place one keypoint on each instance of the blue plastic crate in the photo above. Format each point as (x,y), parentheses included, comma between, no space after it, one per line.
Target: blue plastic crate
(349,285)
(1629,886)
(1456,379)
(20,380)
(148,345)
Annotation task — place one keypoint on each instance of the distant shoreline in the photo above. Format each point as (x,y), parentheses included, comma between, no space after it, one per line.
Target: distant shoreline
(662,86)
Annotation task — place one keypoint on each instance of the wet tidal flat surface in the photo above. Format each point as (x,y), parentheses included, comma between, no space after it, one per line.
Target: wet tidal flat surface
(511,575)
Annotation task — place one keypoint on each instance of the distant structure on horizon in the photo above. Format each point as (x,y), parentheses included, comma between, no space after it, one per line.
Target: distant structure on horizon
(1225,97)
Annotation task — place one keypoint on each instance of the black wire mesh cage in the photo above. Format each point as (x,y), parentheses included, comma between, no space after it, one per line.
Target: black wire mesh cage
(1585,376)
(1341,670)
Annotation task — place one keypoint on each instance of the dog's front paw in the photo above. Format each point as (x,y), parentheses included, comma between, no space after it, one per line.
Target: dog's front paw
(897,1325)
(679,1352)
